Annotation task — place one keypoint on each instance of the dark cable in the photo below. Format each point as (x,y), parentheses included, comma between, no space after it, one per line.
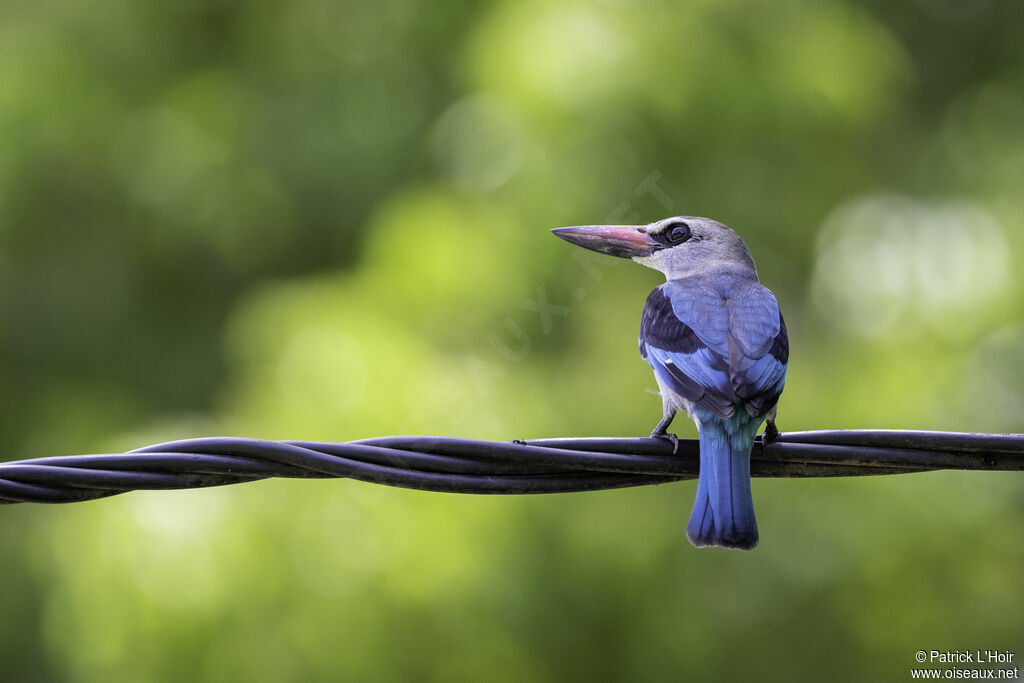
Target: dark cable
(470,466)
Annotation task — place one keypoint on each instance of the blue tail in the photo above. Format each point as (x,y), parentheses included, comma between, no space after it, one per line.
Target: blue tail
(723,513)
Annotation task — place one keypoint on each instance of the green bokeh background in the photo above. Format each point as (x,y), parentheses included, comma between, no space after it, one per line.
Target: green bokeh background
(328,220)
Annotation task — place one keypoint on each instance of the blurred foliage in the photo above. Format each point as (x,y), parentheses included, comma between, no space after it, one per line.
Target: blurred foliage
(328,220)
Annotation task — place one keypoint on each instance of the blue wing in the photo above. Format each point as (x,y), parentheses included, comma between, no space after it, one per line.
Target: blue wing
(718,341)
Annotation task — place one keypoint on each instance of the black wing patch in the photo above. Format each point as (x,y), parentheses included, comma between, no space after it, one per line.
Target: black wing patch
(660,327)
(780,347)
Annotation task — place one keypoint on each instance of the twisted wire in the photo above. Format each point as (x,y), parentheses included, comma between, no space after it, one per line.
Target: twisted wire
(489,467)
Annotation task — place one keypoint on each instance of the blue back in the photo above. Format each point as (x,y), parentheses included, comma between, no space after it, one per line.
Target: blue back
(717,340)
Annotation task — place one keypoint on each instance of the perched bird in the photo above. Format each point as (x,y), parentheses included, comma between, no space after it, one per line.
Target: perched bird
(718,346)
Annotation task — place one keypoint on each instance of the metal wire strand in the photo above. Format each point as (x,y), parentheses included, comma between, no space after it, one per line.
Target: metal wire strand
(433,463)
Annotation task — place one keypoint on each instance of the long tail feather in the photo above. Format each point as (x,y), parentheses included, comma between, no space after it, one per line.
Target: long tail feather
(723,512)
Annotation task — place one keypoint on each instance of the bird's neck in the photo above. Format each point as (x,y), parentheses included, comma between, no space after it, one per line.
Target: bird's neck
(712,269)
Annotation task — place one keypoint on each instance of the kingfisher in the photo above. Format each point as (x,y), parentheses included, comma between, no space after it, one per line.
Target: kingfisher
(716,340)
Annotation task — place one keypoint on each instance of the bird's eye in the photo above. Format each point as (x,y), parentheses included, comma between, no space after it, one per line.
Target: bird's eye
(679,233)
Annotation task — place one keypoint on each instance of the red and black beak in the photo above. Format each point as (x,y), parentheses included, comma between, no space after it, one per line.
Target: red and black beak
(625,241)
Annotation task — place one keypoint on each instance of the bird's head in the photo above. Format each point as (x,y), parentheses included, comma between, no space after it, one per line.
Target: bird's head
(678,246)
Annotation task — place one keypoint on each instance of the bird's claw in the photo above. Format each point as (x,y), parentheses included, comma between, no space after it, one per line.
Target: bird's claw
(771,432)
(668,436)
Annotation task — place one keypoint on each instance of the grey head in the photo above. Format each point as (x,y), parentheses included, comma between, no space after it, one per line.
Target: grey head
(677,246)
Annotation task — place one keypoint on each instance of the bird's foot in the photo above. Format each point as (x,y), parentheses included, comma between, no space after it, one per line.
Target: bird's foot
(771,432)
(667,436)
